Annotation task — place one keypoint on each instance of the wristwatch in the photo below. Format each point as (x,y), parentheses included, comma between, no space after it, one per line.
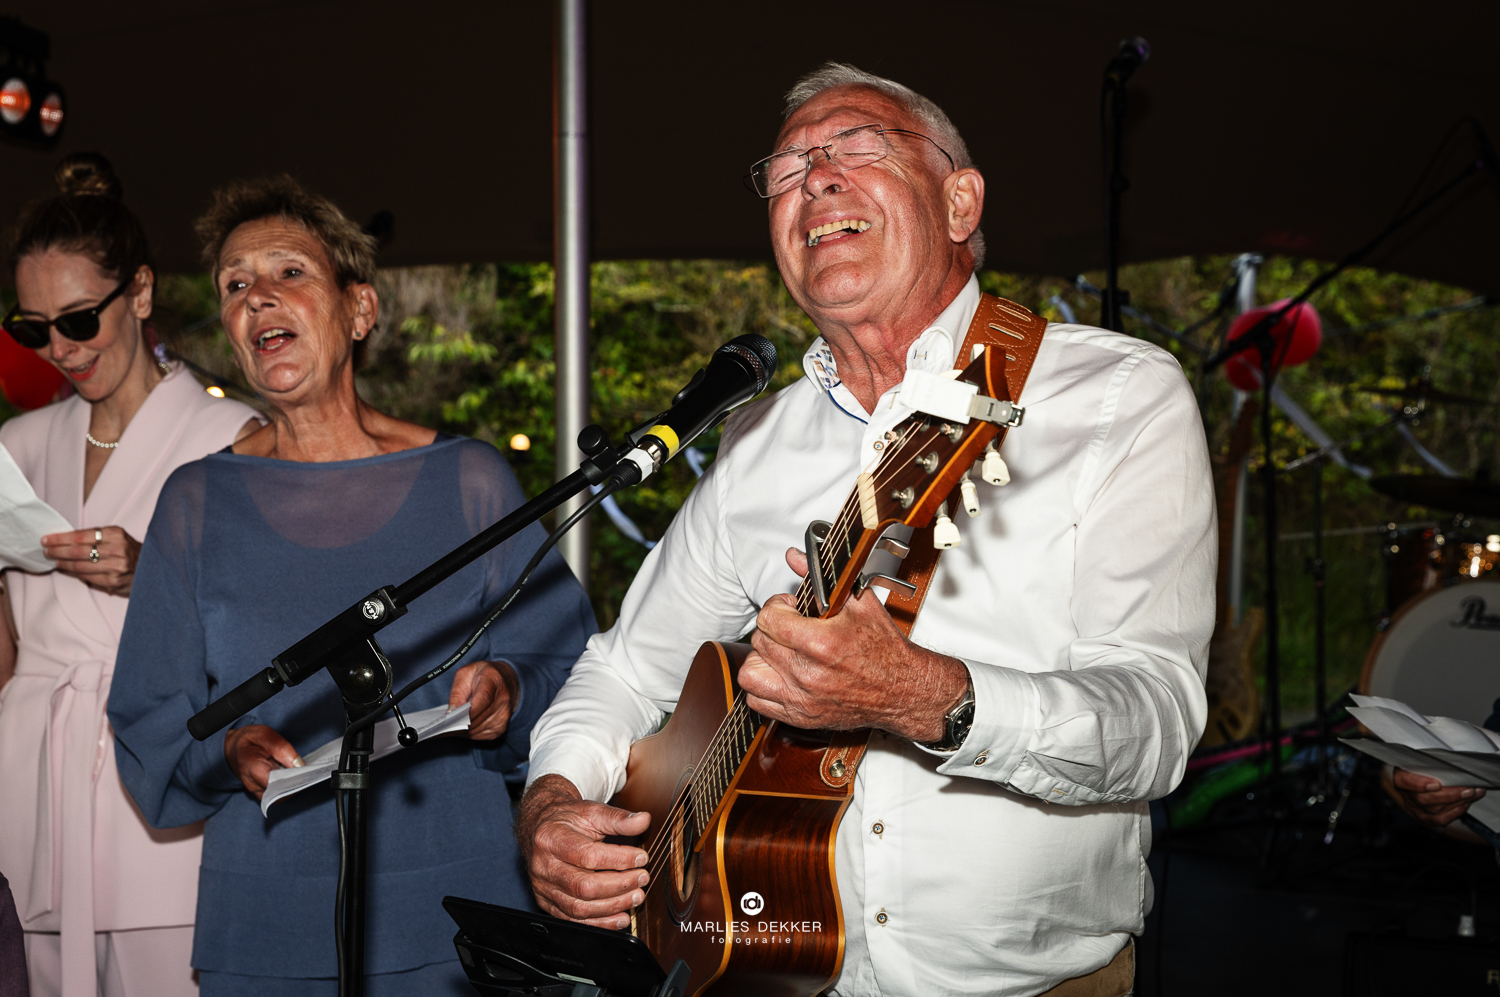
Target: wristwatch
(956,723)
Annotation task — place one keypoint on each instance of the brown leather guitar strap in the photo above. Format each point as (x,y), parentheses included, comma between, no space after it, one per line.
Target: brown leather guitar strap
(1005,325)
(997,323)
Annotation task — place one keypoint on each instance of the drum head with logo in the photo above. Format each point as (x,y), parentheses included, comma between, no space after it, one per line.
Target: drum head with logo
(1441,653)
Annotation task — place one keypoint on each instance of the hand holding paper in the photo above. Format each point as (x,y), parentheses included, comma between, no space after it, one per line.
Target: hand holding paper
(319,765)
(1464,758)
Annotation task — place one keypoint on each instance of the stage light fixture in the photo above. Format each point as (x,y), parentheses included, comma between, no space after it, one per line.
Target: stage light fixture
(52,114)
(32,107)
(15,101)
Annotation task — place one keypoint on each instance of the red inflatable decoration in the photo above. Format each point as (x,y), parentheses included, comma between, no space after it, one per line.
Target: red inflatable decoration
(1297,337)
(28,381)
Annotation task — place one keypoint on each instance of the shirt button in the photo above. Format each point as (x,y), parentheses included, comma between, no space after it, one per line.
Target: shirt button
(981,758)
(882,916)
(877,828)
(879,445)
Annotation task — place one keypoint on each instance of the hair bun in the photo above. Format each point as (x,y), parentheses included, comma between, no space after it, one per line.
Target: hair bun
(87,173)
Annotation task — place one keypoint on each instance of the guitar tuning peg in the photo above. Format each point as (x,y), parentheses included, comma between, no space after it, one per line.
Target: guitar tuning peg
(969,492)
(944,533)
(993,470)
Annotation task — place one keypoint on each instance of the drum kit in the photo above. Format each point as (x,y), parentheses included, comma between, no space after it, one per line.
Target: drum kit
(1437,649)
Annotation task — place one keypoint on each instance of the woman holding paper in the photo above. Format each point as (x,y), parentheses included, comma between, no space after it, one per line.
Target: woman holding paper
(251,550)
(106,900)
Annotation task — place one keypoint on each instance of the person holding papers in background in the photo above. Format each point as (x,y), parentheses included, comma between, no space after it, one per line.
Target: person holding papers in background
(1428,800)
(253,548)
(106,901)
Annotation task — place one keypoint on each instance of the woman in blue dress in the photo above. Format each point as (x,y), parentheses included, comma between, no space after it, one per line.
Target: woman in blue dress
(252,548)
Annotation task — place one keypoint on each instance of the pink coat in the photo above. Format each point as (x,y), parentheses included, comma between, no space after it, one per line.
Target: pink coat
(77,852)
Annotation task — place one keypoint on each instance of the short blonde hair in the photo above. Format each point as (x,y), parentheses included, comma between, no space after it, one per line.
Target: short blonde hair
(350,249)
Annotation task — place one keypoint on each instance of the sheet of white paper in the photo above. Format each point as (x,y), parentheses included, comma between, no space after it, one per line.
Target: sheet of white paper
(1395,727)
(24,520)
(1390,704)
(1415,761)
(1460,735)
(318,765)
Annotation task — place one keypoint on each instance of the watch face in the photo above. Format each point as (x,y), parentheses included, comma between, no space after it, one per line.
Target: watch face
(959,724)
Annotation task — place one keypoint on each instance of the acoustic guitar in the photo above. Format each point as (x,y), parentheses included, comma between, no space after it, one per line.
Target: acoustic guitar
(744,811)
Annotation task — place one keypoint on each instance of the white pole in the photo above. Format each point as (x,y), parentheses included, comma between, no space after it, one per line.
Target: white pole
(571,243)
(1247,265)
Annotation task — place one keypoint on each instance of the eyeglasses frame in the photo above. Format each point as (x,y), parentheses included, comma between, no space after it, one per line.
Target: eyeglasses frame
(749,178)
(50,324)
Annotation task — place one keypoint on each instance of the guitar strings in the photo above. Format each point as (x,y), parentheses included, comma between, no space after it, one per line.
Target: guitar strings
(719,763)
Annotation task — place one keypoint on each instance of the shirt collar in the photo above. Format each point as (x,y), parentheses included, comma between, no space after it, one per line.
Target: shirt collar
(933,351)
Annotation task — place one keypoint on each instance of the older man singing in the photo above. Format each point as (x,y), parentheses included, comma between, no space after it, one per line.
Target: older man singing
(997,836)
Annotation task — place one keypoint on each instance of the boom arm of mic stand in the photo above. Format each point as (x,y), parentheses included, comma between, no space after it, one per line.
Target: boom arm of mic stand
(324,647)
(1262,329)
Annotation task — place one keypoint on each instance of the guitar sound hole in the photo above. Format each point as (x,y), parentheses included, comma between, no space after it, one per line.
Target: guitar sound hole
(685,867)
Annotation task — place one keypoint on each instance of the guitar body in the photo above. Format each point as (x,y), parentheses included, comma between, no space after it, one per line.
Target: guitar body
(771,834)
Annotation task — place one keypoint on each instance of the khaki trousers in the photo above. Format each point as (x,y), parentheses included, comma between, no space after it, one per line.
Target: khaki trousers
(1114,980)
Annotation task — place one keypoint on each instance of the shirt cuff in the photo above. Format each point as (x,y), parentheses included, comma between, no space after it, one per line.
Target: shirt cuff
(578,761)
(1005,711)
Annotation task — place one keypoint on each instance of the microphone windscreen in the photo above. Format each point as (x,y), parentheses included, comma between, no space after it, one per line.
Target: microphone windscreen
(759,352)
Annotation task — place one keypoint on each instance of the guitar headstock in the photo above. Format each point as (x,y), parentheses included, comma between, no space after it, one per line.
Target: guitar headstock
(927,455)
(924,460)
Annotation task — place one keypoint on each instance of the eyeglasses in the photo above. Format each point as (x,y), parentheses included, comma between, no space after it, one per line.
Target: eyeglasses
(34,333)
(848,150)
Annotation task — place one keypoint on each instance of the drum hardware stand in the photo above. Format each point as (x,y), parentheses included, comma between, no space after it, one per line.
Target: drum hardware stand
(1318,568)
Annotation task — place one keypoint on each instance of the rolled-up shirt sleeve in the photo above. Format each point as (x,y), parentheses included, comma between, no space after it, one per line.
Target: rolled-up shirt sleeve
(1117,721)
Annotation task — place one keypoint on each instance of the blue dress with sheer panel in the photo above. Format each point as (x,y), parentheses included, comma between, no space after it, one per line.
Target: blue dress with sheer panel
(245,555)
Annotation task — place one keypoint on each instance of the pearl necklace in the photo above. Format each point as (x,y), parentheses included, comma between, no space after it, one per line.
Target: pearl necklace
(102,446)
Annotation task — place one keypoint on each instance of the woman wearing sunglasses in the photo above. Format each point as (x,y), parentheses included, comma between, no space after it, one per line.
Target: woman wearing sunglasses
(106,901)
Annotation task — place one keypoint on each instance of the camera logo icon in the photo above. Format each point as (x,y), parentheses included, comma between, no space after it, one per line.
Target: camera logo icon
(753,903)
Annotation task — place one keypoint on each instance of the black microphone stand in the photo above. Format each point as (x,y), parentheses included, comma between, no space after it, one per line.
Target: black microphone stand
(1132,55)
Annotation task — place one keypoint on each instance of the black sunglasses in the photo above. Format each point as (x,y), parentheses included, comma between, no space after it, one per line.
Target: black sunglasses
(34,333)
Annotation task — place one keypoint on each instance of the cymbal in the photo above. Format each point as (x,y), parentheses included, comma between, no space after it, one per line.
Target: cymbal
(1476,497)
(1421,392)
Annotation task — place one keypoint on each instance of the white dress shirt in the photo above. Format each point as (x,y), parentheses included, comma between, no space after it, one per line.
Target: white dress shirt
(1081,600)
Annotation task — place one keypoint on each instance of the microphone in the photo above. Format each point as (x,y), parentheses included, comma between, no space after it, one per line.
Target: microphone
(1133,54)
(738,371)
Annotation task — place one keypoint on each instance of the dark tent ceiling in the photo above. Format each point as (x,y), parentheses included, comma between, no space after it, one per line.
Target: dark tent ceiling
(1281,126)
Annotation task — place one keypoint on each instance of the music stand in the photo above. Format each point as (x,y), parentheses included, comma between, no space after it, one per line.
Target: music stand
(508,951)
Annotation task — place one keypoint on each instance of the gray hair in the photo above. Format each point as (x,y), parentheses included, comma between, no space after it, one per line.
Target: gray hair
(941,128)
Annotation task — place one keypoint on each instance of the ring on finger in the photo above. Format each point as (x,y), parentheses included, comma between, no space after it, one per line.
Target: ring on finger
(94,554)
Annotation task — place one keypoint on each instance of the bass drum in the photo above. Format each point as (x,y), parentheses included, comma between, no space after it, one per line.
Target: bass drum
(1439,653)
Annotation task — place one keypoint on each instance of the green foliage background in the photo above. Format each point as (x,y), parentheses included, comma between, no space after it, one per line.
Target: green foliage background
(469,350)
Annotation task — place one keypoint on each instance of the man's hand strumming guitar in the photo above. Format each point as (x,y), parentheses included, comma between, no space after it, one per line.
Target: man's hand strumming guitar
(574,874)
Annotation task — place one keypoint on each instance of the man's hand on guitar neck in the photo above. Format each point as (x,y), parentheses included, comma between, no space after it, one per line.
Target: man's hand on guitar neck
(574,874)
(853,669)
